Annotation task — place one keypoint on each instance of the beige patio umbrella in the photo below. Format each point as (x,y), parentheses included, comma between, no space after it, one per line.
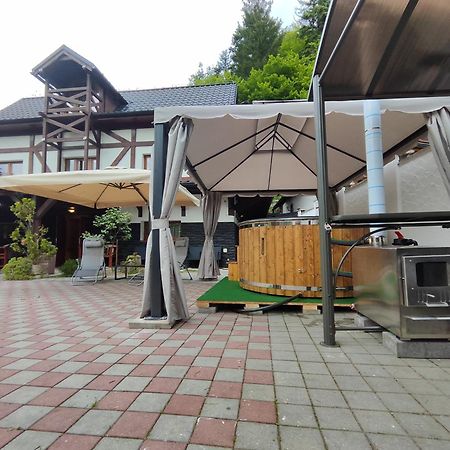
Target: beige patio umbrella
(93,188)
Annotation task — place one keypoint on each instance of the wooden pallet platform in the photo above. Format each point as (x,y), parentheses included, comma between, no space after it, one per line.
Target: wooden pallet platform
(302,306)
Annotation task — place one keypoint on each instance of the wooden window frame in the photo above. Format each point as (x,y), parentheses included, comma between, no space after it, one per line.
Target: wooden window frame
(92,161)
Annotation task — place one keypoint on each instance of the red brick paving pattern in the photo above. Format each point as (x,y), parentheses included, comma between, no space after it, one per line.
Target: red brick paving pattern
(87,326)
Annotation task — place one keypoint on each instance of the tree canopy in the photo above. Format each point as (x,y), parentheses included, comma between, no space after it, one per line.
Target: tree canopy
(263,70)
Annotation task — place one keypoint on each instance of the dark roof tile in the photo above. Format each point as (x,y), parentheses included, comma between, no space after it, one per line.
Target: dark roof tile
(139,100)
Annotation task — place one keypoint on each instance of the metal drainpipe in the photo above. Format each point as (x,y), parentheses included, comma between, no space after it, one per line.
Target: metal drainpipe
(374,159)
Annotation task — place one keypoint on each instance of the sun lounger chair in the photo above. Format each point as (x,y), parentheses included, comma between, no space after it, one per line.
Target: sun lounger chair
(181,250)
(92,265)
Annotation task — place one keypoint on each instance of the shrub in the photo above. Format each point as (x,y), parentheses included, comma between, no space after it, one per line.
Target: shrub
(17,269)
(69,267)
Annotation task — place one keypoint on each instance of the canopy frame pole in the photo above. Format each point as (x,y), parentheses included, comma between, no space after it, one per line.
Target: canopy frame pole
(157,306)
(326,270)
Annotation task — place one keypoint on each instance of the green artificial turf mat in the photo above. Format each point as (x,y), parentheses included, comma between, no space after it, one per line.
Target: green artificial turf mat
(227,291)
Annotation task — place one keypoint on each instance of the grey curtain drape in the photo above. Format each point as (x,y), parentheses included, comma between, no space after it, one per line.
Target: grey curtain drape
(172,285)
(439,137)
(208,267)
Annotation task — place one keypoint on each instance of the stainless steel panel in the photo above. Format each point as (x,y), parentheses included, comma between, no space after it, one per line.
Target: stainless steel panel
(404,289)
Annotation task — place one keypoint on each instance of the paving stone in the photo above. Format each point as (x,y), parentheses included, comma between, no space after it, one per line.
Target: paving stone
(129,383)
(24,416)
(389,442)
(187,405)
(402,403)
(258,392)
(70,366)
(23,395)
(225,389)
(319,381)
(292,438)
(327,397)
(432,444)
(194,387)
(173,371)
(363,400)
(85,399)
(75,381)
(109,443)
(96,423)
(23,377)
(7,436)
(32,440)
(150,402)
(288,379)
(235,375)
(132,424)
(297,415)
(350,383)
(59,419)
(173,428)
(433,403)
(256,436)
(220,408)
(120,369)
(212,434)
(378,422)
(421,426)
(345,440)
(336,419)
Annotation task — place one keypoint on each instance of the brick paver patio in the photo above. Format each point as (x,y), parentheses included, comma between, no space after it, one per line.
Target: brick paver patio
(74,376)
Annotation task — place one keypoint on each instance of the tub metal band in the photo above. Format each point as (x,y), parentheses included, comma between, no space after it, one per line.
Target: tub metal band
(286,287)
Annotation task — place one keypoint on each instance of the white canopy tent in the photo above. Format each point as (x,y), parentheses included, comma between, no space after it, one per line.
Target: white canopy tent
(270,148)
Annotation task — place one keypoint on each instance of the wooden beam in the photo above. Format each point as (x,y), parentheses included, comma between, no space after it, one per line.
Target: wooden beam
(43,209)
(31,154)
(87,123)
(120,156)
(133,149)
(44,130)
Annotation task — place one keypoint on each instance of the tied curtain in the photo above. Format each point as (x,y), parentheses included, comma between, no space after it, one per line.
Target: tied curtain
(208,267)
(172,285)
(439,137)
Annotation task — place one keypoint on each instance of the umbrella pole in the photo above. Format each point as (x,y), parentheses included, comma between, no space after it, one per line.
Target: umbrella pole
(157,306)
(326,272)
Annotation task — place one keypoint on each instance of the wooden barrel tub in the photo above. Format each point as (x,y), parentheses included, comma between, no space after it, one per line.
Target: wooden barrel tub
(282,257)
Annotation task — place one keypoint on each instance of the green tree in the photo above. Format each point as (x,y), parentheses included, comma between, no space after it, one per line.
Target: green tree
(27,241)
(310,17)
(256,38)
(113,224)
(285,76)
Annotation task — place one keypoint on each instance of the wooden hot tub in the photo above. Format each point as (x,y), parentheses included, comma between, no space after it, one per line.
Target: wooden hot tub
(282,256)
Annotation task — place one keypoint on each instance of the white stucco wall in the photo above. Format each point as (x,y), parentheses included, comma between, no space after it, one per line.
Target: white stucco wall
(412,184)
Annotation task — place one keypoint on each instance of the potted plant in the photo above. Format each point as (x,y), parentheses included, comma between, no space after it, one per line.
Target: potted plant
(113,225)
(31,241)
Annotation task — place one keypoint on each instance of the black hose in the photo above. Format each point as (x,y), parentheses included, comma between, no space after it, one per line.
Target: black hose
(271,306)
(358,241)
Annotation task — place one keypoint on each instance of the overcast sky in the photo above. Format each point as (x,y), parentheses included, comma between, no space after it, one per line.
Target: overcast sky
(136,44)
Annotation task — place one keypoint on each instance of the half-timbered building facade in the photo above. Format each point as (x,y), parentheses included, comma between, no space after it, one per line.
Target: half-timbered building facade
(83,122)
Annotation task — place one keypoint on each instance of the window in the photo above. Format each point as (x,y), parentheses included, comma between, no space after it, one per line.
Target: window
(11,167)
(78,163)
(146,162)
(183,211)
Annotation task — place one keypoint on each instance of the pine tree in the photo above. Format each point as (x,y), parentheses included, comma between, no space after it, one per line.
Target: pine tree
(256,38)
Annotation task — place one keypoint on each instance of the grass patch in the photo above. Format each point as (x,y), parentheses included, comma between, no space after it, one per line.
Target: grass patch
(229,291)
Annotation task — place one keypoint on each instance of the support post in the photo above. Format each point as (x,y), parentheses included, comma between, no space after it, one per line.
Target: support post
(326,270)
(157,306)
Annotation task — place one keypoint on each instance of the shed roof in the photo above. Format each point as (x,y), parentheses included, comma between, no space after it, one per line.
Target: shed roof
(385,49)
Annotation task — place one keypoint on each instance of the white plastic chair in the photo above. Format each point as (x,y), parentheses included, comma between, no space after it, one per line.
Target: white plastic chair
(92,265)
